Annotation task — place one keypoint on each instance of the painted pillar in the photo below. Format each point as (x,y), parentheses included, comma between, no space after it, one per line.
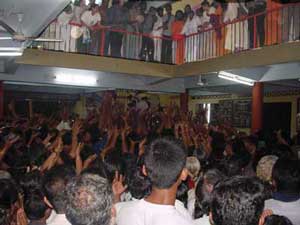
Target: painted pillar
(184,101)
(257,106)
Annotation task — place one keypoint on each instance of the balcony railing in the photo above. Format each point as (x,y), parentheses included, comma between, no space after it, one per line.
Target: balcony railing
(276,26)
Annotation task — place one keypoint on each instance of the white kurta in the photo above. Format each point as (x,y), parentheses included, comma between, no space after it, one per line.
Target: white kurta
(237,36)
(157,32)
(191,43)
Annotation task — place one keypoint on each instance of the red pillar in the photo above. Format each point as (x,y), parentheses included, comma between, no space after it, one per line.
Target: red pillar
(257,106)
(184,101)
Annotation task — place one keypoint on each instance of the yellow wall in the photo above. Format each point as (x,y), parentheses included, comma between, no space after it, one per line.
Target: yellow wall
(268,99)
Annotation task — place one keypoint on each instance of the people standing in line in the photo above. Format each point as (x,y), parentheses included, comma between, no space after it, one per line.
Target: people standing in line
(116,21)
(157,34)
(147,50)
(168,19)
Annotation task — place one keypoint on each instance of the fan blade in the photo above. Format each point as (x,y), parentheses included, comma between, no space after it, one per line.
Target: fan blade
(45,39)
(7,28)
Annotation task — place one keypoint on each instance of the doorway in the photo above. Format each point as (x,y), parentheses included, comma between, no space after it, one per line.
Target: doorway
(277,116)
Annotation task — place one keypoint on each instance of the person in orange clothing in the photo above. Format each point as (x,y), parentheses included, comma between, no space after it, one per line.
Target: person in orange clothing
(273,23)
(178,38)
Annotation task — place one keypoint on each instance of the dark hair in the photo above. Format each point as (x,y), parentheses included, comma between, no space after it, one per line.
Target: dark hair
(164,162)
(31,181)
(54,185)
(67,138)
(277,220)
(89,200)
(235,164)
(238,201)
(35,207)
(138,185)
(286,174)
(182,193)
(113,163)
(8,193)
(203,196)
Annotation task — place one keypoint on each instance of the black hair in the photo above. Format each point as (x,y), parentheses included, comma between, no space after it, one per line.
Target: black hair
(67,138)
(277,220)
(182,193)
(203,196)
(90,200)
(8,193)
(286,174)
(139,185)
(35,206)
(31,181)
(54,185)
(164,162)
(235,164)
(238,201)
(113,163)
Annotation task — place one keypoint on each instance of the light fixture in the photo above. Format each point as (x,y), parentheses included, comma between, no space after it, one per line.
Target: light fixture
(76,80)
(200,81)
(9,53)
(236,78)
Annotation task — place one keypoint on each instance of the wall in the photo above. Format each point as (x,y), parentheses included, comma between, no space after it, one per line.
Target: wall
(267,99)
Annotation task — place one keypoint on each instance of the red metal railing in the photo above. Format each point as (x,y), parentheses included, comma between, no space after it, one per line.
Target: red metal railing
(278,25)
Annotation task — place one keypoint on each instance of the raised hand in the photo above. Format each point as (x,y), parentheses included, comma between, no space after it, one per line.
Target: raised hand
(117,186)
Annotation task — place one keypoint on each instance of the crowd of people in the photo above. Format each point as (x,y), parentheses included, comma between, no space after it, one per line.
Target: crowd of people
(134,31)
(145,165)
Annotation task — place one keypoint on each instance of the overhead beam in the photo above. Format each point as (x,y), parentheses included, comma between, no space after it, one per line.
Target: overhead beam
(95,63)
(289,52)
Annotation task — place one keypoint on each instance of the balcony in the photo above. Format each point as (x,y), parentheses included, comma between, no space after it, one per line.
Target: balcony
(221,40)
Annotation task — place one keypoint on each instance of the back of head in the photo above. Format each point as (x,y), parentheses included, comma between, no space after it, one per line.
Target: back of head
(193,166)
(139,185)
(89,200)
(203,191)
(277,220)
(35,207)
(286,175)
(164,162)
(54,185)
(265,166)
(238,201)
(8,193)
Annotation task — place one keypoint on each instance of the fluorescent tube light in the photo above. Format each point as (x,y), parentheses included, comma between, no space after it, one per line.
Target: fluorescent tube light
(15,49)
(11,53)
(76,80)
(236,78)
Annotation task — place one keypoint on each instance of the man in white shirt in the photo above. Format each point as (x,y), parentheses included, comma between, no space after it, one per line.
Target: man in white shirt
(286,199)
(91,19)
(157,33)
(164,165)
(192,42)
(54,185)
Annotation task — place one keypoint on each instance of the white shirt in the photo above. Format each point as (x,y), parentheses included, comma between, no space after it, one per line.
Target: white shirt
(157,27)
(57,219)
(191,202)
(231,12)
(63,126)
(64,18)
(287,209)
(179,206)
(145,213)
(89,19)
(204,220)
(191,25)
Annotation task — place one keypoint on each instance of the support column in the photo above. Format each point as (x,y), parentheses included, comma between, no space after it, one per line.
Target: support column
(184,101)
(1,100)
(257,106)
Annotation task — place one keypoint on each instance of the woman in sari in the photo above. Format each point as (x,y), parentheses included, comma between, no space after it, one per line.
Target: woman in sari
(178,38)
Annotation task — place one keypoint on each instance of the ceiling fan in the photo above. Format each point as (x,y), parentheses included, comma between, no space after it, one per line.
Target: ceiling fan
(19,36)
